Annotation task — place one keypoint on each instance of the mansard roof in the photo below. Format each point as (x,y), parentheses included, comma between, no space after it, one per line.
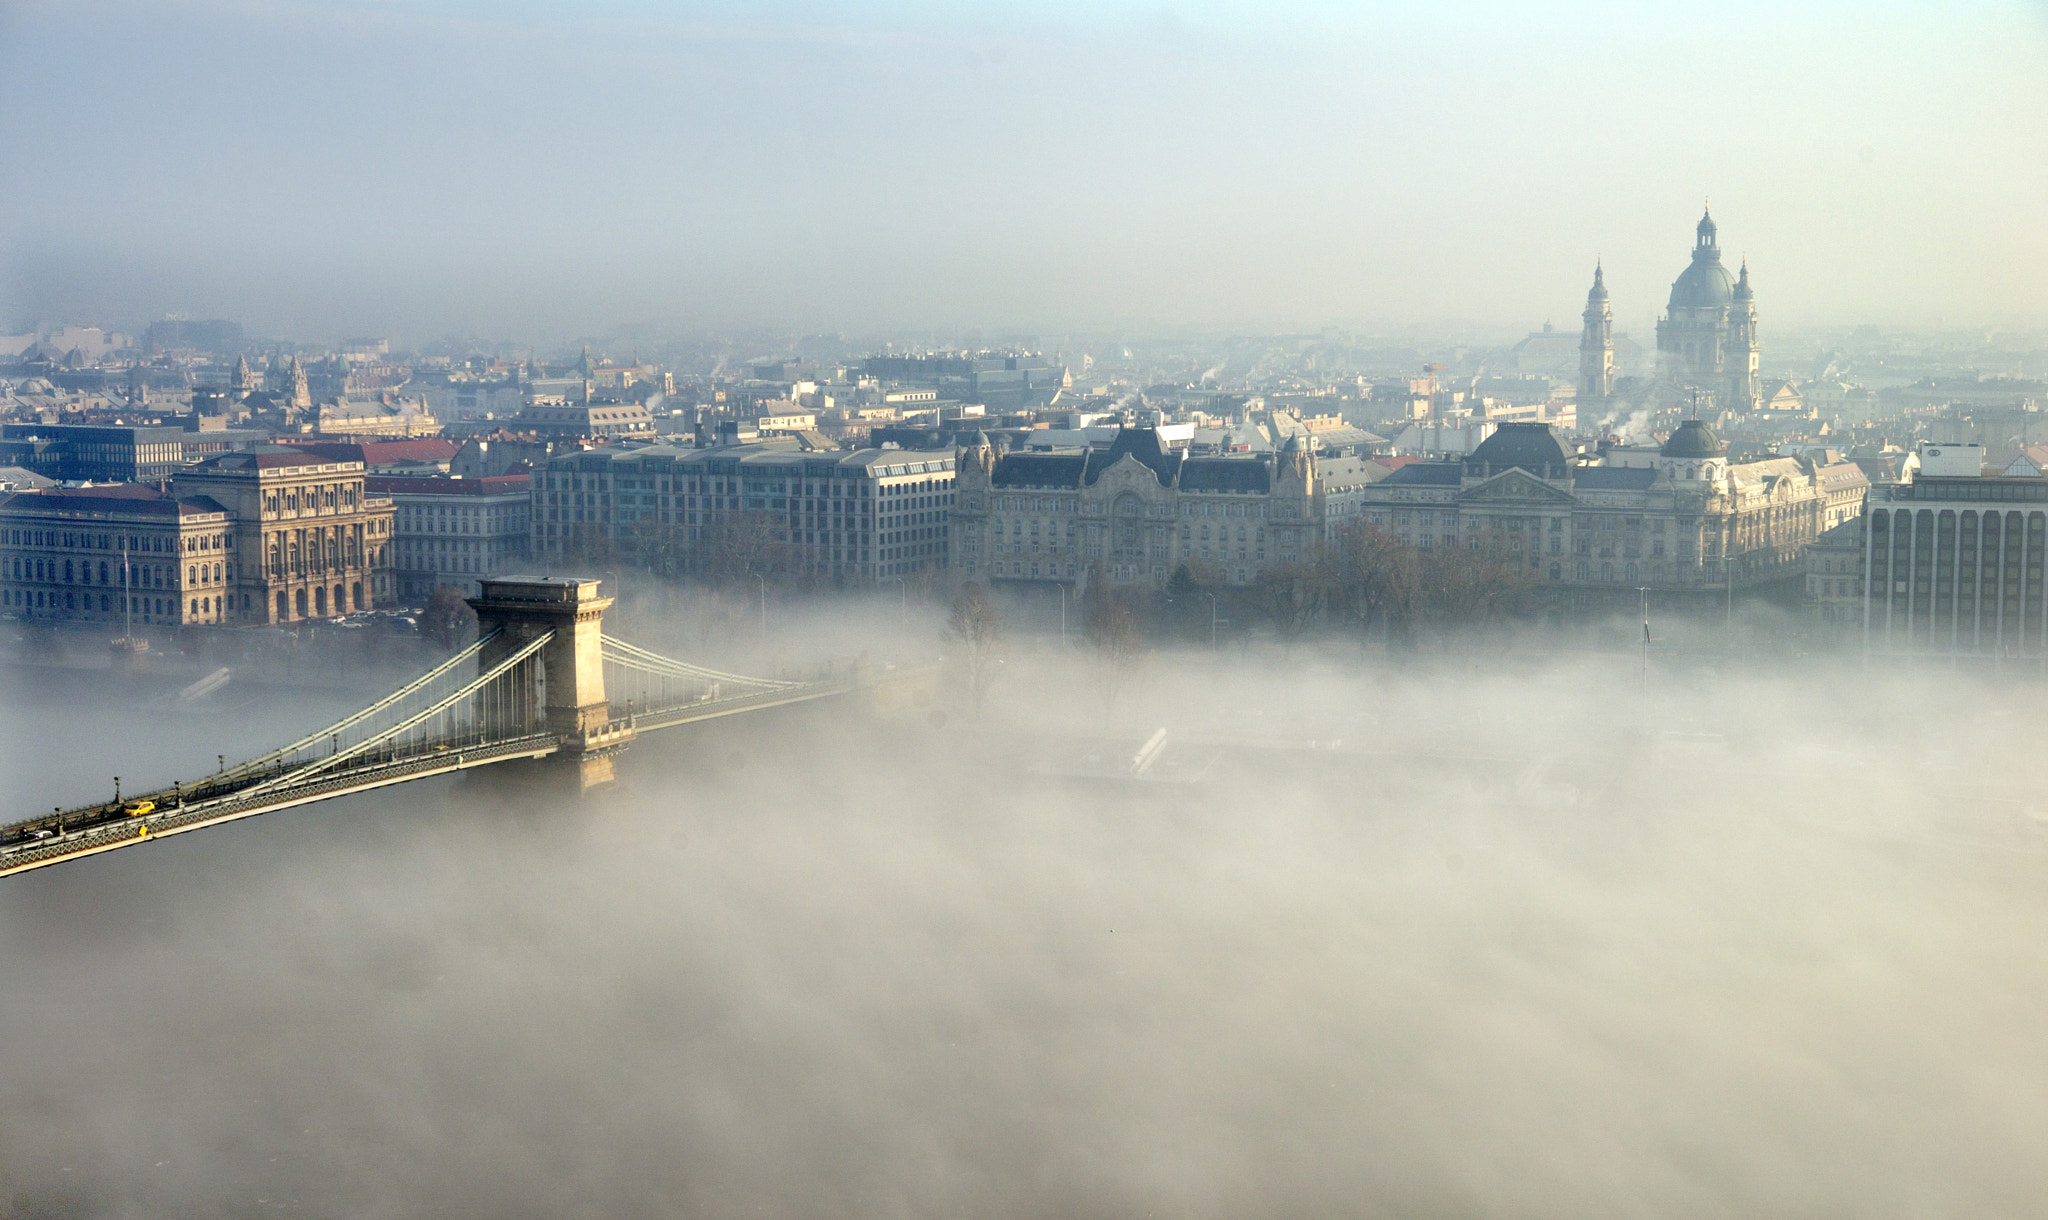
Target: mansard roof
(1240,474)
(1141,444)
(1425,474)
(1533,447)
(1613,478)
(1039,470)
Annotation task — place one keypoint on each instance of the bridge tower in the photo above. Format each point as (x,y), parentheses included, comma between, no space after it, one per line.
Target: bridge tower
(571,694)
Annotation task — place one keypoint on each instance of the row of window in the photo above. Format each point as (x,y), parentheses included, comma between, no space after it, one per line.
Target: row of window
(325,496)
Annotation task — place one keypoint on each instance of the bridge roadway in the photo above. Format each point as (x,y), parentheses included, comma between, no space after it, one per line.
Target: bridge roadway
(91,829)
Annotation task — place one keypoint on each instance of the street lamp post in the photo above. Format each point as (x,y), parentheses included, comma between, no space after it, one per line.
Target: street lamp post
(1212,620)
(902,598)
(1063,617)
(764,603)
(1728,579)
(1644,681)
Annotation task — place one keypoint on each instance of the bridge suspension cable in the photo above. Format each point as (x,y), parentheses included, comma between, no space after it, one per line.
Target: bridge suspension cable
(334,731)
(630,656)
(472,709)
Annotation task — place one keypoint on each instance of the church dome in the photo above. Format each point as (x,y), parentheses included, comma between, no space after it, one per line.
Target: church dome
(1694,440)
(1705,284)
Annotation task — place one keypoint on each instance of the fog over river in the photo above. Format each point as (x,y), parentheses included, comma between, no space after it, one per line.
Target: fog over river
(1446,941)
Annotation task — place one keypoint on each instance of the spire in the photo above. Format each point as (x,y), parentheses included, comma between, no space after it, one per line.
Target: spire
(1742,289)
(1599,292)
(1705,230)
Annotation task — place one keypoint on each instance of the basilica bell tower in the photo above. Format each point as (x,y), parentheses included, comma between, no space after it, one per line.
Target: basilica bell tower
(1596,344)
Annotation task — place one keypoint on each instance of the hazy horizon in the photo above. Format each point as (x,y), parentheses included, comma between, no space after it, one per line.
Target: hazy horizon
(529,172)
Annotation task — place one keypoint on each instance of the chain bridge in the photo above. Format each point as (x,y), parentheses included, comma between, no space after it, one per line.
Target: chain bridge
(542,681)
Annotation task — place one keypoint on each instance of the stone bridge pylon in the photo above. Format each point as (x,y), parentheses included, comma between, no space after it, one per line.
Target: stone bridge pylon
(570,680)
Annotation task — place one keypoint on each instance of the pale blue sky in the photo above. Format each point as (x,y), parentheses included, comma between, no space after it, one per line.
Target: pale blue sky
(543,169)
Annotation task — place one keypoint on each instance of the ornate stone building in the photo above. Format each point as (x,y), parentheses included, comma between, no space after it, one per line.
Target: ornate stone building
(116,553)
(1136,510)
(308,540)
(1680,517)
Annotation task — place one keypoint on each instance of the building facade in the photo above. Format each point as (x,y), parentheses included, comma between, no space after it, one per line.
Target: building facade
(1834,585)
(1678,518)
(853,517)
(557,417)
(448,531)
(310,540)
(101,554)
(107,454)
(1955,565)
(1134,511)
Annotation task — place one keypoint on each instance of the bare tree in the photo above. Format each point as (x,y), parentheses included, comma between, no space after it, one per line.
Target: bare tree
(1374,576)
(1115,642)
(1472,587)
(448,620)
(1292,595)
(975,629)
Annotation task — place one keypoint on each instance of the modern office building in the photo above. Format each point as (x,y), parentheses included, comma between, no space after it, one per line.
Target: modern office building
(851,517)
(1955,564)
(106,454)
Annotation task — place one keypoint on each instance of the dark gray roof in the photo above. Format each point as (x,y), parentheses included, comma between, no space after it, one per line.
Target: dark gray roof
(1535,448)
(1425,474)
(1140,443)
(1239,474)
(1613,478)
(1694,439)
(1039,469)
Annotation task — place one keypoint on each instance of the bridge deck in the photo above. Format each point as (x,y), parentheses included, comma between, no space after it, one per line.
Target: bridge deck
(181,810)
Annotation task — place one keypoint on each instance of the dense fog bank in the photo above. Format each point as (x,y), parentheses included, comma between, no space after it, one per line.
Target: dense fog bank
(1450,939)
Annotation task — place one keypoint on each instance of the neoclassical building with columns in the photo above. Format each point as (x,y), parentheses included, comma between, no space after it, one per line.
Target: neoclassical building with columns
(1679,517)
(1136,509)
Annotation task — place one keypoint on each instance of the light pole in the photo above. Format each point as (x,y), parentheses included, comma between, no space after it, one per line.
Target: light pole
(1728,579)
(1063,618)
(1212,620)
(764,604)
(1644,682)
(902,598)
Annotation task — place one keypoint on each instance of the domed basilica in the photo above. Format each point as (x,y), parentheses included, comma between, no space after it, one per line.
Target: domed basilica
(1707,347)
